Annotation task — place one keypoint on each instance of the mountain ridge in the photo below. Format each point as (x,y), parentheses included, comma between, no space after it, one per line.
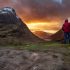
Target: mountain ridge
(11,27)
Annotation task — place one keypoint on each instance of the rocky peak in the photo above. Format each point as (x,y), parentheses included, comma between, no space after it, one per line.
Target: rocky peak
(11,25)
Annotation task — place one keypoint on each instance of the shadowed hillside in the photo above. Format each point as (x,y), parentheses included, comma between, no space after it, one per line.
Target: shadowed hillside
(42,34)
(12,28)
(58,36)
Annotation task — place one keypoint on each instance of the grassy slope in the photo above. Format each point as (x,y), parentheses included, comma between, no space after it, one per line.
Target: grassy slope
(40,46)
(45,47)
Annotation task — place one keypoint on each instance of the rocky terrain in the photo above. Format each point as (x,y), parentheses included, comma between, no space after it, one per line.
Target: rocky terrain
(12,59)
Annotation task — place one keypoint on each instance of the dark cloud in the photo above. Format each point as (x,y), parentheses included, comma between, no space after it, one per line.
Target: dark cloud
(48,9)
(42,10)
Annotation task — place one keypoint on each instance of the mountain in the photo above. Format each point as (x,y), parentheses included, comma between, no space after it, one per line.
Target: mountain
(13,29)
(42,34)
(58,36)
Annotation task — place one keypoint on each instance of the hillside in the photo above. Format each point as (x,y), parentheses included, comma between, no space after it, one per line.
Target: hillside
(42,34)
(13,29)
(58,36)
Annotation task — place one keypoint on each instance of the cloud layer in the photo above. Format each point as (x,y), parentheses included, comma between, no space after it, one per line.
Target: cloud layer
(40,10)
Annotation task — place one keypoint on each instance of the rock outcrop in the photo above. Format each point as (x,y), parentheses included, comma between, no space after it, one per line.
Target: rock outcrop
(12,27)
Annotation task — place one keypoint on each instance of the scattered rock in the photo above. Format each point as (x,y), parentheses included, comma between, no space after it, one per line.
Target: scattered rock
(26,60)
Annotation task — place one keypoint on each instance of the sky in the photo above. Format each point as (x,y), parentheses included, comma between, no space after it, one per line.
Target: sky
(40,14)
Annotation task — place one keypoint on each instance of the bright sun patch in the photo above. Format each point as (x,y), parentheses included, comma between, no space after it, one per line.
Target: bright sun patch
(50,27)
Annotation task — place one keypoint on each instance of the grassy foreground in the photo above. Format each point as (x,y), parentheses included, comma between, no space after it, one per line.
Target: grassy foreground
(37,46)
(44,47)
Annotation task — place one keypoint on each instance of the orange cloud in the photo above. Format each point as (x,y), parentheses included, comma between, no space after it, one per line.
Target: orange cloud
(44,26)
(40,14)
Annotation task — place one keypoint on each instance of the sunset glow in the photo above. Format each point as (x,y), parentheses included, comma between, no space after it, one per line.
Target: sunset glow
(40,15)
(50,27)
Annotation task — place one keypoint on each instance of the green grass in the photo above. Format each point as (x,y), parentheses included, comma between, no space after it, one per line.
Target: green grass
(43,47)
(37,46)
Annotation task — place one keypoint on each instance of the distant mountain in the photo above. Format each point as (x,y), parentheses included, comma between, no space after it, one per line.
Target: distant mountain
(42,34)
(58,36)
(13,29)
